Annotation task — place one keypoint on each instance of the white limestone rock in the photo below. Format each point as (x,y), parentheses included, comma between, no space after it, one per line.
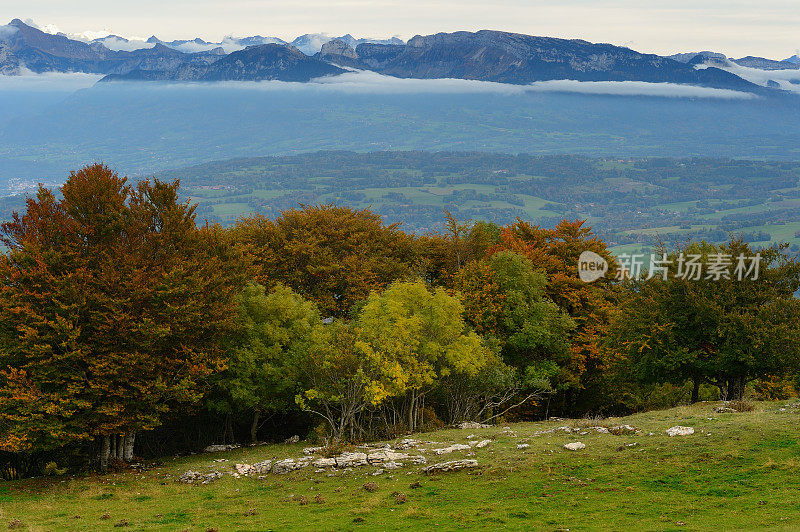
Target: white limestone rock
(455,465)
(679,431)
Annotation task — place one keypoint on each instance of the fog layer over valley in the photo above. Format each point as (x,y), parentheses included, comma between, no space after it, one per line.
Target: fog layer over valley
(141,128)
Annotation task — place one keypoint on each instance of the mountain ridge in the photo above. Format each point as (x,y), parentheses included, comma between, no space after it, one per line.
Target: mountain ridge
(486,55)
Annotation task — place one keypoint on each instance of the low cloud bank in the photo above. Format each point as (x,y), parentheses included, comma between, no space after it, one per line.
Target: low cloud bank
(638,88)
(50,81)
(372,82)
(788,79)
(364,82)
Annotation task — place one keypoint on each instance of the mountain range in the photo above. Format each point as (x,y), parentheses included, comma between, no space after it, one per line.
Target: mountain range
(486,55)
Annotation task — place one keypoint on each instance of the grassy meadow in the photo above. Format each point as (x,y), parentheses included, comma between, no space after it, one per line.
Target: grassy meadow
(737,471)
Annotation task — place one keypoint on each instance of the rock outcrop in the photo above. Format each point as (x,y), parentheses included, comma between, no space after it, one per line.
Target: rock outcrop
(454,465)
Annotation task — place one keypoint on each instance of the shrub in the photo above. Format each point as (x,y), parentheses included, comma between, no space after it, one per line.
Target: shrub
(742,405)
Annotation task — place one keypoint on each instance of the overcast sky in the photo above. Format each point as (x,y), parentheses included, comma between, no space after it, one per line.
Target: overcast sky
(769,28)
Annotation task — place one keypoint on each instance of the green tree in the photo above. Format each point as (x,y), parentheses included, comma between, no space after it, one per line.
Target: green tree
(415,337)
(266,354)
(506,300)
(340,382)
(726,331)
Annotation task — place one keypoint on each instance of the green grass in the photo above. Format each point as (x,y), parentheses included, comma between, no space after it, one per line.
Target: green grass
(738,471)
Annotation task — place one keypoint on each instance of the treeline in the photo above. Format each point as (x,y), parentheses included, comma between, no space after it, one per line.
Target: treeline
(126,329)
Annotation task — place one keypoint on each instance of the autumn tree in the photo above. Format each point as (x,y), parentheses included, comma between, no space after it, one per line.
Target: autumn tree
(676,325)
(415,337)
(267,352)
(506,301)
(334,256)
(556,252)
(443,253)
(340,383)
(113,305)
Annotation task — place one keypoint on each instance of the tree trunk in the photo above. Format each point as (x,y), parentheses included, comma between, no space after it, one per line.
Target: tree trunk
(254,425)
(723,390)
(105,451)
(695,390)
(113,451)
(411,413)
(736,388)
(130,438)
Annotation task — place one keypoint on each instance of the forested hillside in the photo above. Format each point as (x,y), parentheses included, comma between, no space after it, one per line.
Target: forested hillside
(129,329)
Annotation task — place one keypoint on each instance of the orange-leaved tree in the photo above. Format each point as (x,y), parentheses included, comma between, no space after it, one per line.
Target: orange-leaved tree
(556,251)
(113,304)
(334,256)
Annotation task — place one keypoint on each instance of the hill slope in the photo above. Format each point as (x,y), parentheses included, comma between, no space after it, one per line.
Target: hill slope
(738,470)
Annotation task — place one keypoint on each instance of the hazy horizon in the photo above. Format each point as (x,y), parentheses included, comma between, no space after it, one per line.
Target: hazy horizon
(728,27)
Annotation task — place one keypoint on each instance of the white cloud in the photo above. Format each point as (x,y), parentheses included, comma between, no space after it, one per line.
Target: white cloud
(192,47)
(372,82)
(638,88)
(784,78)
(7,31)
(59,81)
(127,45)
(363,82)
(311,43)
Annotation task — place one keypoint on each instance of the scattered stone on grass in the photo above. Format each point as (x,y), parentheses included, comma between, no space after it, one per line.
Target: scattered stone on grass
(680,431)
(386,455)
(472,425)
(523,445)
(190,477)
(619,430)
(261,468)
(351,460)
(281,467)
(370,487)
(451,448)
(293,439)
(219,448)
(313,450)
(324,462)
(575,446)
(454,465)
